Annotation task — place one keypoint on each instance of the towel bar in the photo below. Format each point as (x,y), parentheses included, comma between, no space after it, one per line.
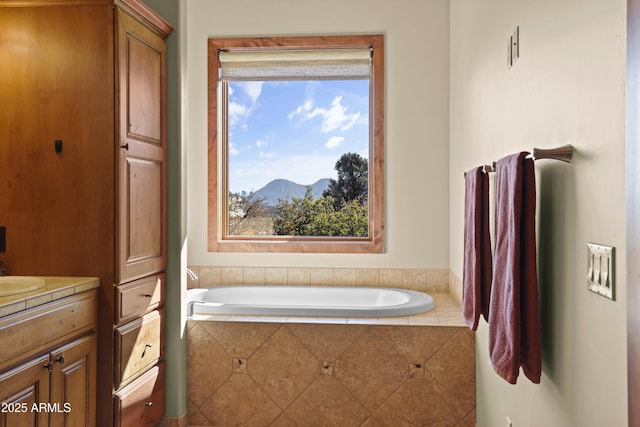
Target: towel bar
(564,153)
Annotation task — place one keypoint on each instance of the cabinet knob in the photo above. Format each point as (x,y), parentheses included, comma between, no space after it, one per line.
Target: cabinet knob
(125,146)
(147,295)
(48,366)
(148,404)
(60,359)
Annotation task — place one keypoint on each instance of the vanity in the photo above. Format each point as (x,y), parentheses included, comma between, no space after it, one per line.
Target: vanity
(48,351)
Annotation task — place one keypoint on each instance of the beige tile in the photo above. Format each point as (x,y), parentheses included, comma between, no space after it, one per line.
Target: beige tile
(415,344)
(424,321)
(327,403)
(240,401)
(231,276)
(283,367)
(299,276)
(414,279)
(209,276)
(327,342)
(437,280)
(209,365)
(371,370)
(368,277)
(452,321)
(454,367)
(401,320)
(13,308)
(254,276)
(239,339)
(194,416)
(284,421)
(344,277)
(418,404)
(455,287)
(321,276)
(364,321)
(391,278)
(276,276)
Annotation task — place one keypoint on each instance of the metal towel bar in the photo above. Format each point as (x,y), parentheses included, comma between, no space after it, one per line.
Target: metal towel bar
(564,153)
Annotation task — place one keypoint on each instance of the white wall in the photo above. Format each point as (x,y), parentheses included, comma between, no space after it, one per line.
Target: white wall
(417,95)
(567,87)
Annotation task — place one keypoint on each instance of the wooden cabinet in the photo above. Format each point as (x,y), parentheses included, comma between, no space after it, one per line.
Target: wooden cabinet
(23,387)
(56,387)
(90,74)
(141,188)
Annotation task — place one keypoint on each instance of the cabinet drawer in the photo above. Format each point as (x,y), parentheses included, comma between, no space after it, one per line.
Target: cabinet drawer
(139,297)
(141,403)
(37,329)
(138,346)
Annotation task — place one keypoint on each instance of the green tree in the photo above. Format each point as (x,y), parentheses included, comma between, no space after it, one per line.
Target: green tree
(318,217)
(352,183)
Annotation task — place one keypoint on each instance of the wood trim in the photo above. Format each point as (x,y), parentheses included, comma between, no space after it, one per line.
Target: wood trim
(146,16)
(633,210)
(373,243)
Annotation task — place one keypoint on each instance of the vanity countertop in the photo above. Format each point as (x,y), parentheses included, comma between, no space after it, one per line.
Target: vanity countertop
(55,288)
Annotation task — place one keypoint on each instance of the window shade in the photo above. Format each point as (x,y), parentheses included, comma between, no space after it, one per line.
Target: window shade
(295,64)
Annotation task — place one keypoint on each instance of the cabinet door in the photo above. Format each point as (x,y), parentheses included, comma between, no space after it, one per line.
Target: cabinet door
(73,384)
(141,150)
(22,390)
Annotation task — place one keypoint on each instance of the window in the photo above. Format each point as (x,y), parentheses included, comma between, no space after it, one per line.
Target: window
(296,144)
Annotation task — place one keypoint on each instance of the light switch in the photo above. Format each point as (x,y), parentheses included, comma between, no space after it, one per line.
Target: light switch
(513,48)
(601,270)
(515,45)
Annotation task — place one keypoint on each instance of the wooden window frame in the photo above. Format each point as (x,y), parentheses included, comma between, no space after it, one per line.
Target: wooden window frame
(217,242)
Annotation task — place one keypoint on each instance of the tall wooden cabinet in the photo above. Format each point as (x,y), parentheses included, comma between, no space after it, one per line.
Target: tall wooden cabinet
(83,174)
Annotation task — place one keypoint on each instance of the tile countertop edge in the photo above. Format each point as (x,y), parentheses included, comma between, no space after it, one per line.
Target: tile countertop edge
(55,288)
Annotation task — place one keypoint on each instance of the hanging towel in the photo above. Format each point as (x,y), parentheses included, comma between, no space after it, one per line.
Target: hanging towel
(477,269)
(514,319)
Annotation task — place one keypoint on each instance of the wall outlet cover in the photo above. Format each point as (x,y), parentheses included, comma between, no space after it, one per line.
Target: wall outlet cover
(601,267)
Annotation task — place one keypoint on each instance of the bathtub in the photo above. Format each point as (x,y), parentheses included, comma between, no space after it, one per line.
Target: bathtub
(307,301)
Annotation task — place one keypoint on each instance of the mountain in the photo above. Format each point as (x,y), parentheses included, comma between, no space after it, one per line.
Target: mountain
(285,189)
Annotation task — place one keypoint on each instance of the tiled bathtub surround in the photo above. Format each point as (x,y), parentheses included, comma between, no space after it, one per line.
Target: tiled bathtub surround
(424,280)
(296,374)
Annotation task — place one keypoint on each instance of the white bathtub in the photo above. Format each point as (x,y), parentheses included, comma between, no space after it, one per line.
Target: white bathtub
(307,301)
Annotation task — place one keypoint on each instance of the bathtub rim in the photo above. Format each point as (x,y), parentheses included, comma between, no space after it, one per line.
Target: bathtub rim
(419,302)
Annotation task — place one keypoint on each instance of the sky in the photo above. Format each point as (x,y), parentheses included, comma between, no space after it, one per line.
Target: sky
(295,130)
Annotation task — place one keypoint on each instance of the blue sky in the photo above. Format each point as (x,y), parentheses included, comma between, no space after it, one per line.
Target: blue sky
(295,130)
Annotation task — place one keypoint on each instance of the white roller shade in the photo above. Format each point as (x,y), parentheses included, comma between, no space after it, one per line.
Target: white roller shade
(295,64)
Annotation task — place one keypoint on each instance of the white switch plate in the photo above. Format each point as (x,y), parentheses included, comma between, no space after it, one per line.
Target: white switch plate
(601,267)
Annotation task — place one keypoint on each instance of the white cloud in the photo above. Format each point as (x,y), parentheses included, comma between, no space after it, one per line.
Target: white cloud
(236,113)
(334,142)
(260,143)
(233,150)
(252,89)
(335,117)
(304,108)
(239,111)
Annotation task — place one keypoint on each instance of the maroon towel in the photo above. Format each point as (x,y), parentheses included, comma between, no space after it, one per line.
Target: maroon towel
(514,319)
(476,273)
